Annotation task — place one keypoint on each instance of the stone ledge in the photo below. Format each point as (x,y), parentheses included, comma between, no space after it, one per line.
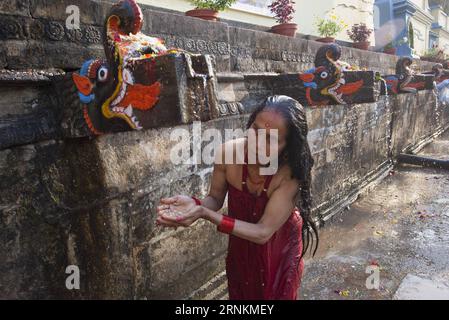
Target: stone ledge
(29,77)
(257,49)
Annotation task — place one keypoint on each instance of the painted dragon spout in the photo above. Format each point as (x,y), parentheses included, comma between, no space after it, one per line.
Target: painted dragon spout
(118,91)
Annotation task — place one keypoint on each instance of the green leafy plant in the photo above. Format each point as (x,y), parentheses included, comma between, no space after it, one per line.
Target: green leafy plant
(391,44)
(217,5)
(435,54)
(331,26)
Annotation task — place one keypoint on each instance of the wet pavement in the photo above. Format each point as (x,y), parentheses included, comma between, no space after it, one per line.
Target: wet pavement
(399,232)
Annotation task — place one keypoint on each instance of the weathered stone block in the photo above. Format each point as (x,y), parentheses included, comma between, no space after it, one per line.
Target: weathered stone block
(32,223)
(91,11)
(133,160)
(416,117)
(348,142)
(188,251)
(258,51)
(15,7)
(190,34)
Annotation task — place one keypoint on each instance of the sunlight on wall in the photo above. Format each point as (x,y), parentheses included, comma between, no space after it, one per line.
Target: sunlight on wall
(351,11)
(230,14)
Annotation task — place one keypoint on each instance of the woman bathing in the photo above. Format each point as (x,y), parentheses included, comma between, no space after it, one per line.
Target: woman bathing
(268,234)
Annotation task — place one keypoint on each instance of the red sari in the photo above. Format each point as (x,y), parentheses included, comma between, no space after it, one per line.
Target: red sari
(262,272)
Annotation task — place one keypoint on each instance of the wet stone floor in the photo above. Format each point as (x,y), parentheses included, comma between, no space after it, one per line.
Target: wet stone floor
(398,231)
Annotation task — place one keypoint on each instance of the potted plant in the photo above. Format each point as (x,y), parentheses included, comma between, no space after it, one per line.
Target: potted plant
(360,34)
(434,54)
(208,9)
(283,11)
(328,28)
(390,47)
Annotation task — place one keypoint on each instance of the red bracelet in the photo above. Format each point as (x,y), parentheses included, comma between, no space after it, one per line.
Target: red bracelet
(197,201)
(226,225)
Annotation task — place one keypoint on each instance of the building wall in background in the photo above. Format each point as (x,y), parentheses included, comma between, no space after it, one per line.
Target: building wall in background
(440,27)
(250,11)
(421,23)
(429,24)
(242,11)
(351,11)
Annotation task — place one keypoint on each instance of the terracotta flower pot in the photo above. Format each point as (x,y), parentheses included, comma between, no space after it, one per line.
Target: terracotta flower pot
(206,14)
(363,45)
(285,29)
(326,40)
(390,51)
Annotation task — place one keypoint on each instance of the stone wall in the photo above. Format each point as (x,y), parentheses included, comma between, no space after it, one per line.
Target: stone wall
(91,202)
(355,146)
(34,35)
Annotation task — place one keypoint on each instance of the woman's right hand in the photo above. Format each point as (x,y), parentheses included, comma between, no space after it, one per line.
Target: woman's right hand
(179,203)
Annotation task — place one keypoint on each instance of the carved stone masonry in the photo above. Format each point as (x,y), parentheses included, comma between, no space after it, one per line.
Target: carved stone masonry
(24,28)
(140,85)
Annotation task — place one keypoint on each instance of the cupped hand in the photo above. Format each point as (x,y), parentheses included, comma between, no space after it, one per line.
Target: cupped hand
(179,203)
(186,218)
(172,207)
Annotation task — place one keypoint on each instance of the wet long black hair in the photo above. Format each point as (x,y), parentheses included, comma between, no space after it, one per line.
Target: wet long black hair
(298,156)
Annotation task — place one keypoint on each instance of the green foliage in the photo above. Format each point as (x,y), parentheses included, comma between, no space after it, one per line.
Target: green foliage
(218,5)
(330,27)
(435,55)
(391,44)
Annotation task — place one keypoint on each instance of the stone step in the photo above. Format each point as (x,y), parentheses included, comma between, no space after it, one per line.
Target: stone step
(218,293)
(211,290)
(34,78)
(223,295)
(413,287)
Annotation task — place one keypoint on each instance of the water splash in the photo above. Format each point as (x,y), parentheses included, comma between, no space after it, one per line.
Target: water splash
(384,84)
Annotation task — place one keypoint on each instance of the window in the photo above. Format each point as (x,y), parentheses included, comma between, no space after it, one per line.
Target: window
(411,36)
(254,6)
(433,41)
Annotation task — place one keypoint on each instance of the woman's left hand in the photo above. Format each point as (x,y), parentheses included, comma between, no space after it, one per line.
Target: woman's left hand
(188,217)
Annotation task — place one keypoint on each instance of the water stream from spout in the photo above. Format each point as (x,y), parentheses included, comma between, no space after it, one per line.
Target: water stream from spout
(384,84)
(389,129)
(206,94)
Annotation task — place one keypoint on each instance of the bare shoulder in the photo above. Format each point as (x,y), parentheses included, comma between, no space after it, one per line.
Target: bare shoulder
(283,180)
(227,154)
